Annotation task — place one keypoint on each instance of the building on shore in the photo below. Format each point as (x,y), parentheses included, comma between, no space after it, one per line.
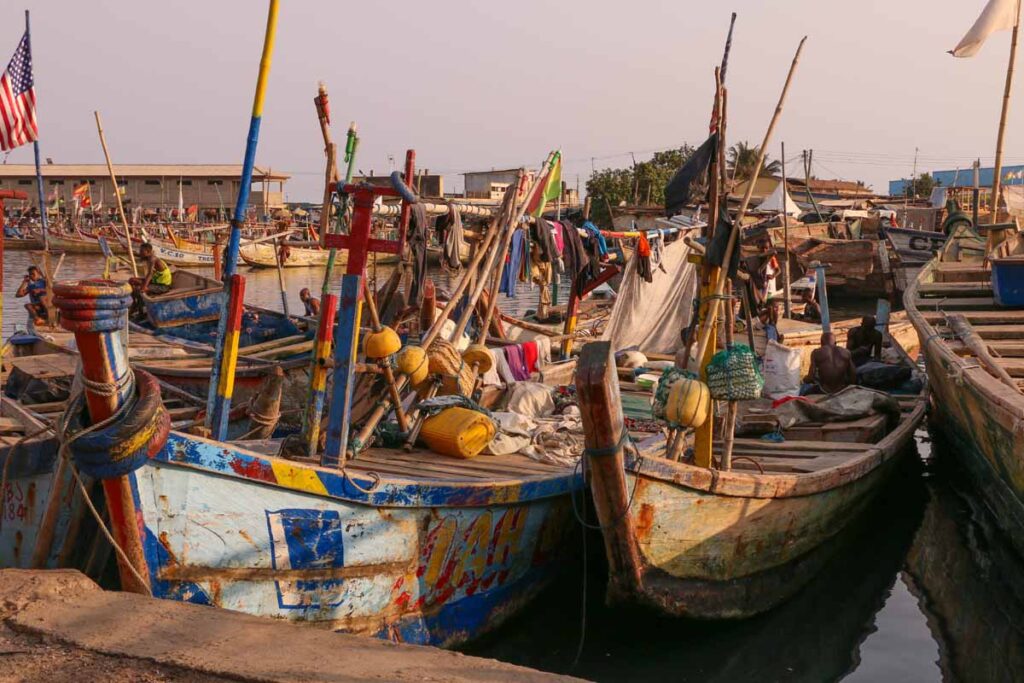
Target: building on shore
(820,189)
(425,184)
(492,184)
(964,178)
(152,187)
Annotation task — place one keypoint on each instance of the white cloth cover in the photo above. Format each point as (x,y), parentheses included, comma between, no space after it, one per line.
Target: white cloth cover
(1013,195)
(781,371)
(531,399)
(998,15)
(650,315)
(774,202)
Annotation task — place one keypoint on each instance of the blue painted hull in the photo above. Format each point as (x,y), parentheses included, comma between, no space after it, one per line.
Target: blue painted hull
(424,562)
(433,565)
(202,306)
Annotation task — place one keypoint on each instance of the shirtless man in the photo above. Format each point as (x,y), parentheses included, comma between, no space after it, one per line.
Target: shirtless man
(865,342)
(831,370)
(311,303)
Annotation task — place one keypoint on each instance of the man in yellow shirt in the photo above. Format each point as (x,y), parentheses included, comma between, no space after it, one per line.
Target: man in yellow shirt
(158,280)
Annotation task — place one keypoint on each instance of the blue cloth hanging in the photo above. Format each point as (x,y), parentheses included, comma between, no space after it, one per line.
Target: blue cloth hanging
(510,274)
(595,233)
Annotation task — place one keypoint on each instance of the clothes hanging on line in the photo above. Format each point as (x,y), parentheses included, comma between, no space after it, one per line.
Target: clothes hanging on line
(418,248)
(510,273)
(451,236)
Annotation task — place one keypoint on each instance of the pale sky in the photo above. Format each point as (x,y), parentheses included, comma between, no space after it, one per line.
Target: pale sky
(480,85)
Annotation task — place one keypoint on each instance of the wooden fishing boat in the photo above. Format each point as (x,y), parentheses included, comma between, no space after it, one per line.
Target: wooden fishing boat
(264,255)
(22,244)
(193,298)
(728,543)
(973,346)
(74,244)
(858,267)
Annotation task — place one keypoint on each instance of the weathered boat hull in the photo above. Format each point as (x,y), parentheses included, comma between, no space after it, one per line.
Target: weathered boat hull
(729,543)
(264,255)
(713,556)
(194,299)
(914,247)
(176,256)
(980,416)
(424,563)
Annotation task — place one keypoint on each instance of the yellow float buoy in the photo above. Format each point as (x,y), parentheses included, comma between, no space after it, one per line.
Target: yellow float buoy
(382,344)
(689,403)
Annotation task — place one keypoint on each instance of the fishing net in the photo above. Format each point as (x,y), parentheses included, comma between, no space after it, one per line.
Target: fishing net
(733,375)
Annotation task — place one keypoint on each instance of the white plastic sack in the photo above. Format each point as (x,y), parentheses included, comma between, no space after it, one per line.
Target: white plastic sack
(781,371)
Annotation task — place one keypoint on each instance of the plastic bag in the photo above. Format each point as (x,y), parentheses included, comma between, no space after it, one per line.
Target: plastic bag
(781,371)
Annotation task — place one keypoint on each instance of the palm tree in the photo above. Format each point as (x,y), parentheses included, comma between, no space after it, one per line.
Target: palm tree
(742,159)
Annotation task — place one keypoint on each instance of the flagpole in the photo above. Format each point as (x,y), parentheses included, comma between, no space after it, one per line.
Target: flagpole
(35,147)
(997,180)
(223,377)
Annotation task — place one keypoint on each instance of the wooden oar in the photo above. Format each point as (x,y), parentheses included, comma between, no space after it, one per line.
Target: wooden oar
(965,331)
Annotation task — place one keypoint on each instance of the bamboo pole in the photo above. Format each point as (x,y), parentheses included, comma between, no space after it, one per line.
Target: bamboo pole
(712,315)
(992,240)
(788,312)
(117,195)
(378,413)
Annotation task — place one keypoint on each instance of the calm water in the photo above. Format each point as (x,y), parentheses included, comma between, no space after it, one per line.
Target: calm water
(261,286)
(924,589)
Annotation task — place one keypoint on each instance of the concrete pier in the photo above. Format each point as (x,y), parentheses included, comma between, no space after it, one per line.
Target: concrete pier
(60,626)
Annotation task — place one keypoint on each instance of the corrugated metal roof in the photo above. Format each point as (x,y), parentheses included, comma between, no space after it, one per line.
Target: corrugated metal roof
(138,170)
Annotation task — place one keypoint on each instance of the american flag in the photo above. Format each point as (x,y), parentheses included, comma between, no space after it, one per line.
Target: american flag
(18,100)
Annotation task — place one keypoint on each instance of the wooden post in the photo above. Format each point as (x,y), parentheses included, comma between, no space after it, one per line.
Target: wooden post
(996,236)
(785,238)
(218,419)
(318,373)
(729,427)
(976,192)
(346,348)
(712,317)
(597,388)
(280,275)
(104,361)
(43,220)
(826,316)
(117,196)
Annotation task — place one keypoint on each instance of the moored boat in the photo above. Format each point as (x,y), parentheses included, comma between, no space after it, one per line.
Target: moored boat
(730,542)
(973,340)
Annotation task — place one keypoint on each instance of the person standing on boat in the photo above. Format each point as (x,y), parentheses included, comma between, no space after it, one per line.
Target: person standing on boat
(158,278)
(33,285)
(865,342)
(311,303)
(831,370)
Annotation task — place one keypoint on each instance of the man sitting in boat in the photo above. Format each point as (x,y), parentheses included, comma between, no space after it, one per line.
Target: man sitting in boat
(812,309)
(831,370)
(311,303)
(865,342)
(33,285)
(158,278)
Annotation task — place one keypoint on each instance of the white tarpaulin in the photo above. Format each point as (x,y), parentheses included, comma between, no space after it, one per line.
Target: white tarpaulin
(650,315)
(998,15)
(1013,195)
(774,202)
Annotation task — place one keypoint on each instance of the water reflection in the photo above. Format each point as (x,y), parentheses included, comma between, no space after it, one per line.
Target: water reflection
(923,590)
(969,582)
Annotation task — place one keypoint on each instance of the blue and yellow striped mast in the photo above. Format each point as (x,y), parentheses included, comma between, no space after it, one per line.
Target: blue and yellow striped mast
(226,358)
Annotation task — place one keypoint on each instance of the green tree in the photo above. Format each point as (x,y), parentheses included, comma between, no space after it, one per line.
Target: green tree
(641,184)
(742,161)
(922,186)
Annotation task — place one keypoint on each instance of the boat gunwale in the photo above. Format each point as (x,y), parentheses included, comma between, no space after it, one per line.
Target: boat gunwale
(378,490)
(736,484)
(995,392)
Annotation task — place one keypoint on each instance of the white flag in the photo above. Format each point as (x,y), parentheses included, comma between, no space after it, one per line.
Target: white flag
(998,15)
